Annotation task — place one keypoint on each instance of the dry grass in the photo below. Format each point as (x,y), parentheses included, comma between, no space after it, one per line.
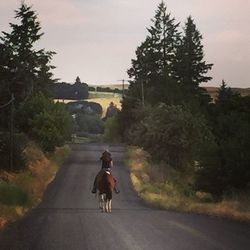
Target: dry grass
(34,180)
(104,99)
(165,192)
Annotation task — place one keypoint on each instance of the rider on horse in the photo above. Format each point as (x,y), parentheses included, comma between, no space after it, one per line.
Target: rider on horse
(107,164)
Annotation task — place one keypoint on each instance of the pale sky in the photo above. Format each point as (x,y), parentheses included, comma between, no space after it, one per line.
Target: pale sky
(96,39)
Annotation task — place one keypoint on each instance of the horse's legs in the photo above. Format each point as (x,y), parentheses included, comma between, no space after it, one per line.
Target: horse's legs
(106,204)
(109,205)
(102,202)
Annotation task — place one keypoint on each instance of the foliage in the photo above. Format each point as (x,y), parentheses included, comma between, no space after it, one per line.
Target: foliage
(164,187)
(155,55)
(189,65)
(168,68)
(89,123)
(111,130)
(85,107)
(228,166)
(171,133)
(107,89)
(47,123)
(112,110)
(12,195)
(20,142)
(25,70)
(76,91)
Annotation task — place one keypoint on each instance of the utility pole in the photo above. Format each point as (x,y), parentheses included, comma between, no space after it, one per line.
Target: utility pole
(142,94)
(123,86)
(12,131)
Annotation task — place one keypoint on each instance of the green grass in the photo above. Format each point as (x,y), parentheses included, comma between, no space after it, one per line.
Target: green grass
(12,195)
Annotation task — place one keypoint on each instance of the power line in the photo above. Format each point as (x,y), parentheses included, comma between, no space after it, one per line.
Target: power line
(8,103)
(123,83)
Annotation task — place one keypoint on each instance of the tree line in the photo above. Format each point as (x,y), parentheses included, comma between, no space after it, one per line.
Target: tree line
(26,74)
(166,112)
(77,91)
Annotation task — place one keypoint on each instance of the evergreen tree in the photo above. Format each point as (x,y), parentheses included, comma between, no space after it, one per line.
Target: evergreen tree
(78,80)
(155,55)
(28,69)
(224,92)
(189,66)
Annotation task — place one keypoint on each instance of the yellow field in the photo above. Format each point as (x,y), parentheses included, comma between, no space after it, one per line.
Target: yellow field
(104,99)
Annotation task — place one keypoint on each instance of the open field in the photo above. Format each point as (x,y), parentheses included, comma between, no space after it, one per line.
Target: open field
(104,99)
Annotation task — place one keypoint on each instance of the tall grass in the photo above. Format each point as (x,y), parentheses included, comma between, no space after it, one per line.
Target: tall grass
(163,187)
(23,190)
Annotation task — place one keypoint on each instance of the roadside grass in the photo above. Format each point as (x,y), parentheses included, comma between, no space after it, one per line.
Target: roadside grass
(23,190)
(164,188)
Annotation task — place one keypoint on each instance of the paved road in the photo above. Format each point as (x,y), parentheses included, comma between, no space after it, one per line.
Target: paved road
(68,218)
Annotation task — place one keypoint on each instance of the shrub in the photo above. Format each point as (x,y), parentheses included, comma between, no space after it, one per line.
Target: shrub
(48,123)
(89,123)
(12,195)
(20,142)
(111,131)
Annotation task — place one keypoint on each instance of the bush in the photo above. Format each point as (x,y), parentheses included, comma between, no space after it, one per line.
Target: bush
(48,123)
(111,130)
(89,123)
(12,195)
(172,134)
(20,142)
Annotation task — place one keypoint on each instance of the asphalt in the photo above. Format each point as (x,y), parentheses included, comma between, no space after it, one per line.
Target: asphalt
(68,218)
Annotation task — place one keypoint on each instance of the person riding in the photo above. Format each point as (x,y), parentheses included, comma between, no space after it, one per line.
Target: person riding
(107,164)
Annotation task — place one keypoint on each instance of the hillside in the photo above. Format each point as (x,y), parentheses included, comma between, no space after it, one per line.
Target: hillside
(213,91)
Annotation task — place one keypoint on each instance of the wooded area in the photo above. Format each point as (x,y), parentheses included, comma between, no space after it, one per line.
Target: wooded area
(168,114)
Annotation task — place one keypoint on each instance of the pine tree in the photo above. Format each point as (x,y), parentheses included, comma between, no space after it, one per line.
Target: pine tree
(224,92)
(28,69)
(189,66)
(155,55)
(78,80)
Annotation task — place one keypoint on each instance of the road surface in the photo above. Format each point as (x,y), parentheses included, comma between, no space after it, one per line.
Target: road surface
(68,217)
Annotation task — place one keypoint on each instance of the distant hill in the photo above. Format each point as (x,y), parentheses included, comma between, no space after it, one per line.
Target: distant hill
(111,86)
(213,91)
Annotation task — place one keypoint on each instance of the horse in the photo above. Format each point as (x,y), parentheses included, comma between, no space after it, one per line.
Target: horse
(105,185)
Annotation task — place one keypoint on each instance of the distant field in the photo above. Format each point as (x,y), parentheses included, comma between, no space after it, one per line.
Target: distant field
(213,91)
(112,86)
(64,101)
(104,99)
